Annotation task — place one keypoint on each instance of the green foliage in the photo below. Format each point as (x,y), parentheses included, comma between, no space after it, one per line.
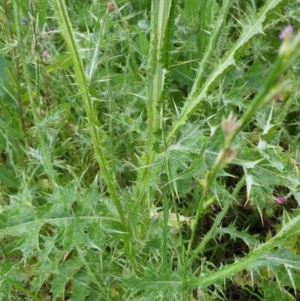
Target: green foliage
(149,150)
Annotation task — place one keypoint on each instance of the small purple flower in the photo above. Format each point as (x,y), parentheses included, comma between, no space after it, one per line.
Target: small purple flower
(280,200)
(24,21)
(44,53)
(51,28)
(286,32)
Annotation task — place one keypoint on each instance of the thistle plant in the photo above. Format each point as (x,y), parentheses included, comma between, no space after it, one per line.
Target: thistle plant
(149,150)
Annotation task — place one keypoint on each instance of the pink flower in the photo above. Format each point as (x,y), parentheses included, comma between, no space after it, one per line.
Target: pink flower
(44,53)
(280,200)
(286,32)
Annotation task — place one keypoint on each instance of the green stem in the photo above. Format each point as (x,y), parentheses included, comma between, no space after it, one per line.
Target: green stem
(227,62)
(250,260)
(270,89)
(93,125)
(210,234)
(157,62)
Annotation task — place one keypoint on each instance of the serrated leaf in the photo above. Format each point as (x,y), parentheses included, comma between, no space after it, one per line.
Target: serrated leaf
(262,256)
(64,275)
(229,60)
(285,258)
(81,293)
(271,291)
(231,230)
(154,281)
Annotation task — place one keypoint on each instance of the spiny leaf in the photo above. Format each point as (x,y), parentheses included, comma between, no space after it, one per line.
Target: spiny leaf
(63,275)
(250,240)
(271,291)
(256,258)
(154,281)
(249,32)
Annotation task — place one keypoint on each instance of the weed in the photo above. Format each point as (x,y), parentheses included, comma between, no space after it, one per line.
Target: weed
(149,150)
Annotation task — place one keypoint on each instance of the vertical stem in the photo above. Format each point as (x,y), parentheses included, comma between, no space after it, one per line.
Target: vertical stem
(158,61)
(93,124)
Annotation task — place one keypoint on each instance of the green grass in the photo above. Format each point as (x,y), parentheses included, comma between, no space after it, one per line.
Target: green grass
(149,150)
